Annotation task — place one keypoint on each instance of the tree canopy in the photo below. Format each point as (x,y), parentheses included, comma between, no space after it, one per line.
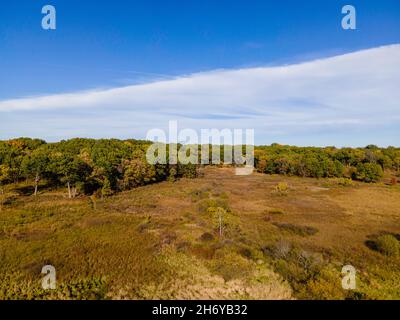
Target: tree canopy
(106,166)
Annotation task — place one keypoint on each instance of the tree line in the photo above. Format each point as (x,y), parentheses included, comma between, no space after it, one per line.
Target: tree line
(364,164)
(84,166)
(105,166)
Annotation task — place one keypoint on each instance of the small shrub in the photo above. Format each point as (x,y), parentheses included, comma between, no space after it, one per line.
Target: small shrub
(231,265)
(251,253)
(345,182)
(246,252)
(206,204)
(388,245)
(324,286)
(282,188)
(279,250)
(206,236)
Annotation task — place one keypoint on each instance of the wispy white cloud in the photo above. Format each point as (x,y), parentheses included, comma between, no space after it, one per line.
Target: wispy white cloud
(303,103)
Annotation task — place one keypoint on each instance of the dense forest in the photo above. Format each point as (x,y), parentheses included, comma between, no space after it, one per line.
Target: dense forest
(364,164)
(105,166)
(84,165)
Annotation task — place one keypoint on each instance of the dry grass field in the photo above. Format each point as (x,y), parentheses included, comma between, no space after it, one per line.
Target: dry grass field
(163,241)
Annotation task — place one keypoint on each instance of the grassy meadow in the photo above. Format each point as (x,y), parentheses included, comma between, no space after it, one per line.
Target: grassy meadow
(218,236)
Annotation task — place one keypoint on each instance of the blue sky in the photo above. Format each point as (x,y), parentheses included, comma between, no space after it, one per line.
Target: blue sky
(100,45)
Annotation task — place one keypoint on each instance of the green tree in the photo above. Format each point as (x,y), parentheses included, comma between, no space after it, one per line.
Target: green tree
(137,172)
(5,177)
(187,170)
(36,166)
(106,189)
(369,172)
(70,170)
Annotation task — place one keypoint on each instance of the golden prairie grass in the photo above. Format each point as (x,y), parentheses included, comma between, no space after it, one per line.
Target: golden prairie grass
(161,242)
